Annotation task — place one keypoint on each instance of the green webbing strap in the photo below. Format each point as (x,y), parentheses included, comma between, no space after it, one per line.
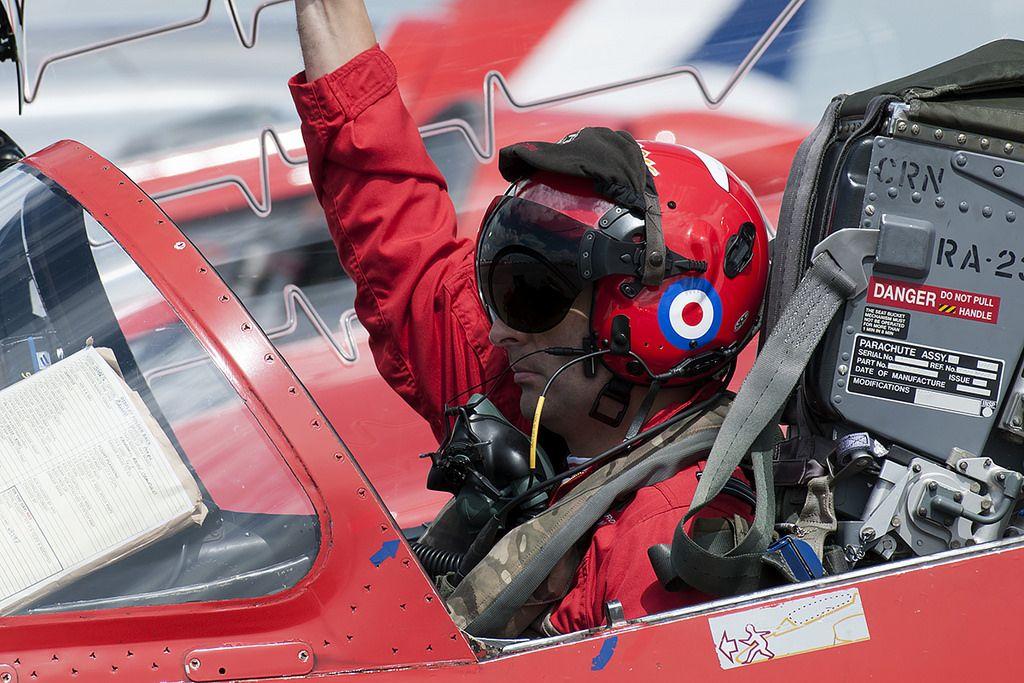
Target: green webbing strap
(750,428)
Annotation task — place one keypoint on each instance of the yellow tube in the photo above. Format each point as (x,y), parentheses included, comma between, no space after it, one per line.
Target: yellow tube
(535,431)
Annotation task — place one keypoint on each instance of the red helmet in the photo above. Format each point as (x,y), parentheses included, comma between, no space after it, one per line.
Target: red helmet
(543,241)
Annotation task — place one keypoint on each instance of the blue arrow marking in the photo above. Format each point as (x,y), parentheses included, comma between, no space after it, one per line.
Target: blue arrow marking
(387,549)
(605,655)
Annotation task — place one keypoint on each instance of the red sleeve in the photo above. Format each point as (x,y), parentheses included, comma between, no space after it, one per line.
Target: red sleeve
(393,224)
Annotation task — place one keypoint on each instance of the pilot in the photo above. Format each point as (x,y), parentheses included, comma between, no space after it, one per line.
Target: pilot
(445,314)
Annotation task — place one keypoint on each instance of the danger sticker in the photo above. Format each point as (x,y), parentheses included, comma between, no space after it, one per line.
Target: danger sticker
(955,303)
(934,378)
(789,628)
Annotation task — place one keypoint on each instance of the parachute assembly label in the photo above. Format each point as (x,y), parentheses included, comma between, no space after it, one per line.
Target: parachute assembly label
(926,376)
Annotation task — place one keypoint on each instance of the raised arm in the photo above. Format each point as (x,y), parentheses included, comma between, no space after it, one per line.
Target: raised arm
(331,32)
(388,210)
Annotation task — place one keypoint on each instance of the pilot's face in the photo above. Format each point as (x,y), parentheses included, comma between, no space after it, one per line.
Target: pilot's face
(568,402)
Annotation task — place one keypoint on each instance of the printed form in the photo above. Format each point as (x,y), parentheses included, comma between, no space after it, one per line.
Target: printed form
(86,477)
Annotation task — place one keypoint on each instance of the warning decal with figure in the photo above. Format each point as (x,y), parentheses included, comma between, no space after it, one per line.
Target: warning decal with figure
(789,628)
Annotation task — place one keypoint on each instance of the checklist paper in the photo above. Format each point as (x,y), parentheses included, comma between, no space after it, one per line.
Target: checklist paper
(87,476)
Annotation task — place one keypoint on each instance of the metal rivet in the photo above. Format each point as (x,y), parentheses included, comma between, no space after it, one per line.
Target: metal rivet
(916,197)
(960,160)
(938,133)
(361,492)
(998,171)
(881,142)
(586,273)
(961,138)
(964,206)
(843,369)
(246,327)
(841,383)
(194,663)
(954,544)
(895,521)
(869,210)
(849,329)
(915,129)
(303,656)
(315,424)
(269,358)
(845,356)
(922,511)
(901,126)
(872,196)
(179,245)
(671,204)
(940,202)
(1008,148)
(201,269)
(984,143)
(224,298)
(1010,216)
(893,192)
(986,211)
(837,399)
(867,223)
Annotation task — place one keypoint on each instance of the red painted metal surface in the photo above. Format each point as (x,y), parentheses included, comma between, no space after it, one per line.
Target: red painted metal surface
(935,615)
(232,662)
(354,613)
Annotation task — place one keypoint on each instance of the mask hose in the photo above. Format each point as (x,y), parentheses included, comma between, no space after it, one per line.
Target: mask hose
(540,401)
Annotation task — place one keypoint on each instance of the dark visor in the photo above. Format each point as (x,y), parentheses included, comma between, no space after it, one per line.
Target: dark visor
(527,263)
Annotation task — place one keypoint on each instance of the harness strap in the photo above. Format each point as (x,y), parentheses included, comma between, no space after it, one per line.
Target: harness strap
(492,600)
(750,427)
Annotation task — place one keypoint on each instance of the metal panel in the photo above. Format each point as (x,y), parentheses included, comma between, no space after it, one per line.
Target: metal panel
(966,306)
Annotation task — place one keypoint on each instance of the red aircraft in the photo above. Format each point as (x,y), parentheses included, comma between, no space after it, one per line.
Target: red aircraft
(308,463)
(299,569)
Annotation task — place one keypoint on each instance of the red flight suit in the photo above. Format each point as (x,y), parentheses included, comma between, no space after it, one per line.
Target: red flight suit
(394,226)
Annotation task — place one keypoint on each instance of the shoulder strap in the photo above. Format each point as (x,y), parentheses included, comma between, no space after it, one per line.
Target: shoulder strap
(750,424)
(489,599)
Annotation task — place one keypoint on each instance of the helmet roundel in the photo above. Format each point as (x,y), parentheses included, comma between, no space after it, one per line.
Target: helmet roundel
(554,233)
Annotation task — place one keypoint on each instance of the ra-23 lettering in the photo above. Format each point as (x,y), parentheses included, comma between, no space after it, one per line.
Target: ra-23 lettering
(968,256)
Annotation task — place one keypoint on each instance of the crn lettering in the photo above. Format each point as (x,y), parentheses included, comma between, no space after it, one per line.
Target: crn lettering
(913,169)
(933,178)
(947,248)
(878,170)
